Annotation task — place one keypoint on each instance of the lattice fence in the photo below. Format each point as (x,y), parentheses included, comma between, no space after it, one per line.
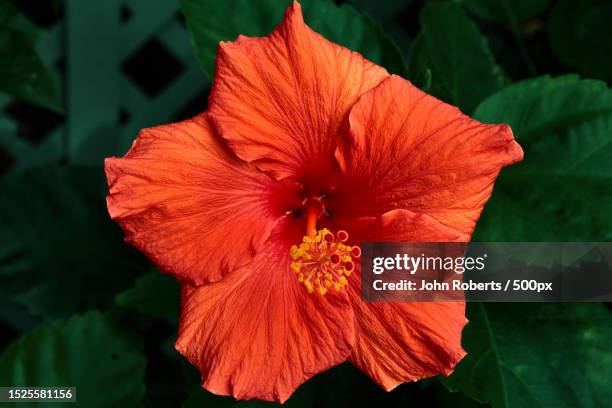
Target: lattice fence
(122,65)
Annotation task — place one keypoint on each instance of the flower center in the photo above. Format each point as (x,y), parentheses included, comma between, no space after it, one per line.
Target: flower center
(323,260)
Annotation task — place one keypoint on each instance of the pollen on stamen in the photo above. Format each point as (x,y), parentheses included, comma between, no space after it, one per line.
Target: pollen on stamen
(323,261)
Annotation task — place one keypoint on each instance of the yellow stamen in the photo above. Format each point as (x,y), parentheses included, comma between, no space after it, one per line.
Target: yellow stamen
(323,262)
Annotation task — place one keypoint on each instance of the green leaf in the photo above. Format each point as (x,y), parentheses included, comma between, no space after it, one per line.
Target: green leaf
(562,191)
(11,17)
(87,352)
(212,21)
(348,27)
(382,11)
(59,251)
(392,16)
(419,63)
(510,11)
(155,294)
(537,355)
(22,73)
(580,34)
(463,71)
(14,315)
(545,355)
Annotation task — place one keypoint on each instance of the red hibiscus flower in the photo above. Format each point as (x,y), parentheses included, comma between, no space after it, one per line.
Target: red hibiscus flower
(259,206)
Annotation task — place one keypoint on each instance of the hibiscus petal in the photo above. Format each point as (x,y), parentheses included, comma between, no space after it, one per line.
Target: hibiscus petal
(281,101)
(185,201)
(409,150)
(258,333)
(398,342)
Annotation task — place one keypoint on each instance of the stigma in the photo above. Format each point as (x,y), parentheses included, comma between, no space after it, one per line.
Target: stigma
(323,261)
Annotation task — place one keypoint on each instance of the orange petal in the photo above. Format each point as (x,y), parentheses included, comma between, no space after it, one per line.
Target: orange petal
(281,101)
(258,334)
(409,150)
(186,202)
(399,342)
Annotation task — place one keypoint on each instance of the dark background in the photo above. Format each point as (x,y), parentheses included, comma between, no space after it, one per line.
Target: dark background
(80,78)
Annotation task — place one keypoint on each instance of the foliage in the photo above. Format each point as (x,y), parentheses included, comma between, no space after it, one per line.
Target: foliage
(580,33)
(537,355)
(218,20)
(88,352)
(59,252)
(22,72)
(562,190)
(527,63)
(453,50)
(506,11)
(153,294)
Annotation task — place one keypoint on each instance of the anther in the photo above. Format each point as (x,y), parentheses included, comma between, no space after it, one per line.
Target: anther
(322,261)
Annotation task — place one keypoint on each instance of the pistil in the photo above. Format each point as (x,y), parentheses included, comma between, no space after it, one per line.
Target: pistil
(322,261)
(314,208)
